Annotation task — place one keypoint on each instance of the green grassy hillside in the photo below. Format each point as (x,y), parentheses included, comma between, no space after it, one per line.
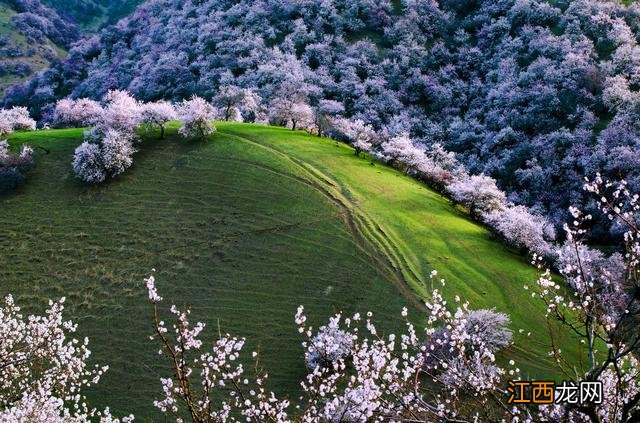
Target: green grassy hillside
(244,227)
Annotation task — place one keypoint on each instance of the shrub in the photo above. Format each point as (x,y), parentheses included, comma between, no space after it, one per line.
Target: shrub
(117,152)
(87,163)
(103,155)
(14,168)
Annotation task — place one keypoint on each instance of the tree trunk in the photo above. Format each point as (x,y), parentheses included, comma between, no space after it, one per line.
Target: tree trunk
(161,131)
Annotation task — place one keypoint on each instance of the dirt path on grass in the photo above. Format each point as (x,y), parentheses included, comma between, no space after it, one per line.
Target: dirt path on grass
(369,237)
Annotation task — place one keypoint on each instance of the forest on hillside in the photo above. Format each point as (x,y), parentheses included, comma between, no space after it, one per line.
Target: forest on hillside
(535,94)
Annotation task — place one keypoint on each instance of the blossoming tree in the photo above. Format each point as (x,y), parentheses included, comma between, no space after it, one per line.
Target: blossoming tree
(197,116)
(77,113)
(359,134)
(44,370)
(157,115)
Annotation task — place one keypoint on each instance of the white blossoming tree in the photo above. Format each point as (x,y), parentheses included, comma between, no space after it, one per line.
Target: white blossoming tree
(600,306)
(325,113)
(478,193)
(122,112)
(523,229)
(291,113)
(43,369)
(197,116)
(15,119)
(107,150)
(77,113)
(359,134)
(87,163)
(157,115)
(105,153)
(235,102)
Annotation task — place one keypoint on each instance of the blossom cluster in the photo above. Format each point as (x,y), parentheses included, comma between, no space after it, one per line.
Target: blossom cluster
(13,168)
(108,148)
(45,369)
(196,115)
(355,372)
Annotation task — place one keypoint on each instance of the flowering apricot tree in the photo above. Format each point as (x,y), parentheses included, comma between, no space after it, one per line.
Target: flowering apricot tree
(157,115)
(359,134)
(15,119)
(75,113)
(600,304)
(197,116)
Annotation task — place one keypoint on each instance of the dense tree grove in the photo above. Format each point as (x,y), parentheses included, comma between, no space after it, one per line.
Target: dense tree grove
(531,93)
(36,21)
(93,13)
(33,37)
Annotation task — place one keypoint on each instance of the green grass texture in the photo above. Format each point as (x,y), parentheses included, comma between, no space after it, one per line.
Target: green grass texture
(244,227)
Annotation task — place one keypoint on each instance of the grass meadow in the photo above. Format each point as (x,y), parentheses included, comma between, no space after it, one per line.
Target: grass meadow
(244,227)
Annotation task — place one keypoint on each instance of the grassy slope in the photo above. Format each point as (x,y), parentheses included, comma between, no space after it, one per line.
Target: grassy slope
(244,228)
(420,230)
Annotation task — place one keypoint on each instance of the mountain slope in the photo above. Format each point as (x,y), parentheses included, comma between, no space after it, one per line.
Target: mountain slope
(534,93)
(32,37)
(244,227)
(35,34)
(93,14)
